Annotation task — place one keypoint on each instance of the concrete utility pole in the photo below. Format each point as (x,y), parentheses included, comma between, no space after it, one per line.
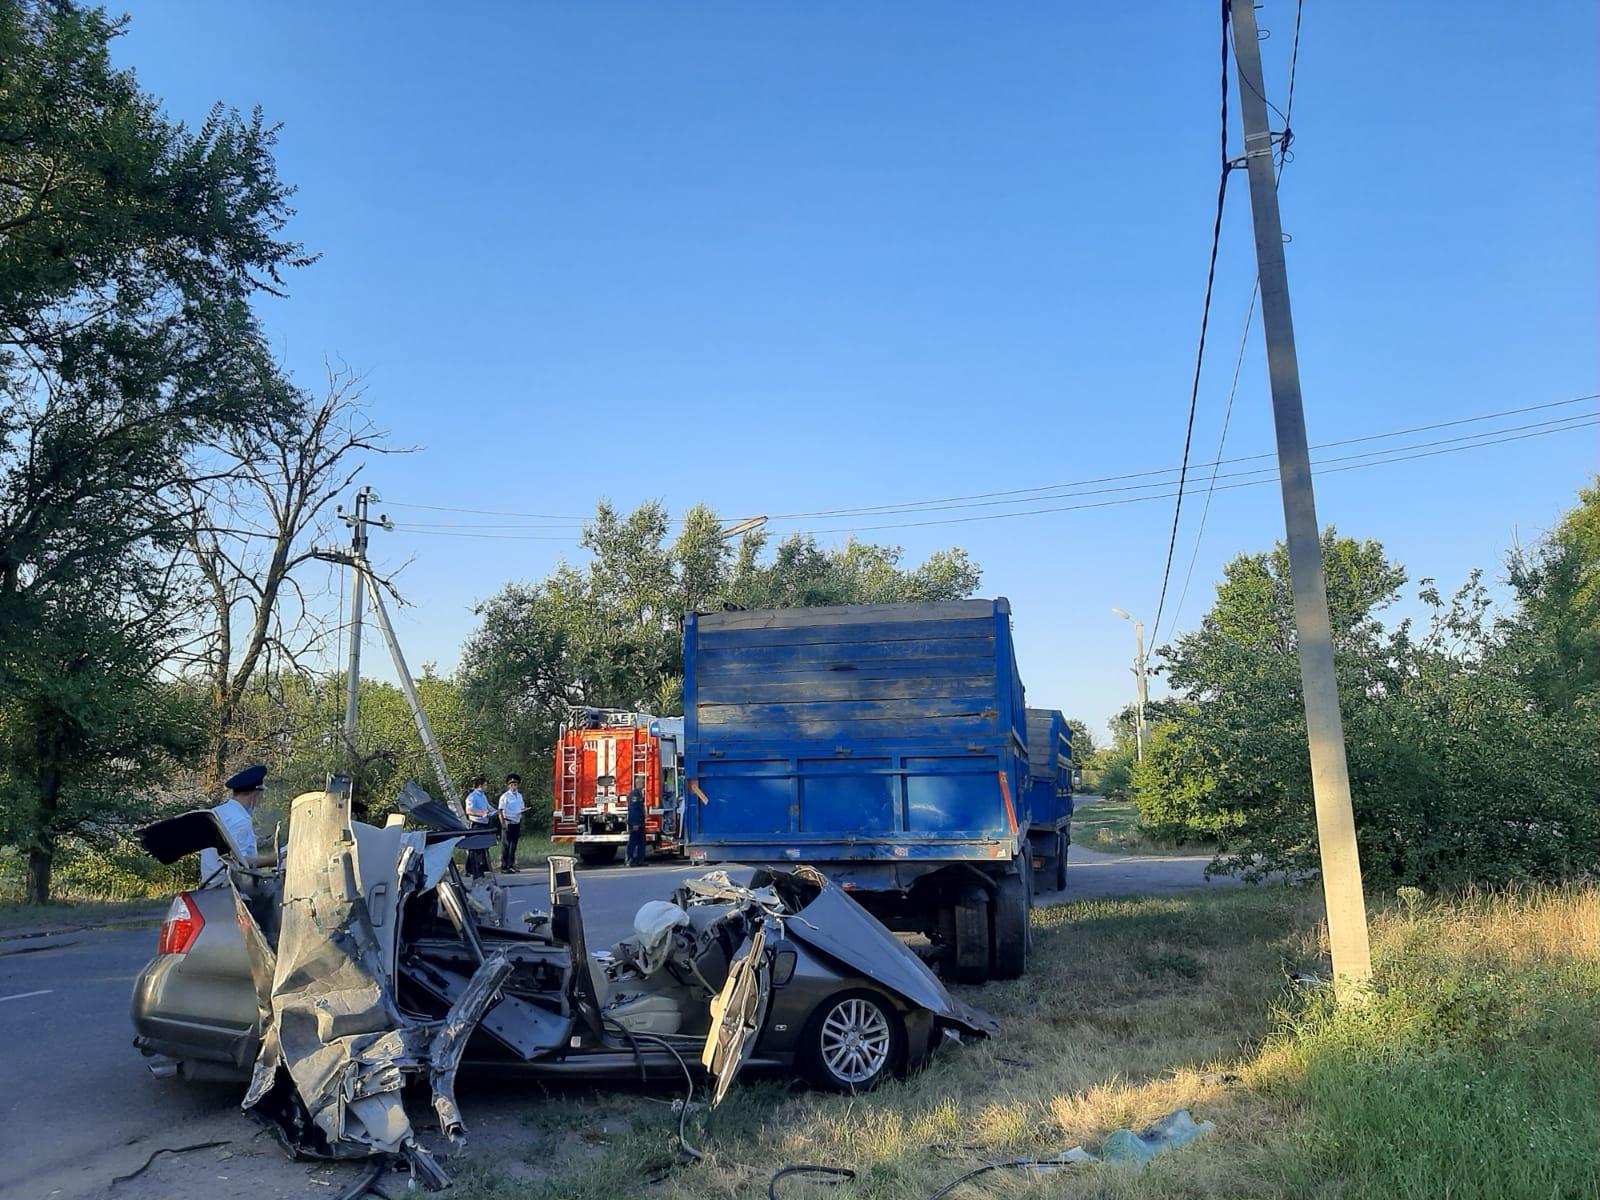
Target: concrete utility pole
(363,581)
(413,701)
(358,553)
(1140,676)
(1330,777)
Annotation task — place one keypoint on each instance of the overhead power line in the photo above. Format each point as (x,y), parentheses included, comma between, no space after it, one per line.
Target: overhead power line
(1269,473)
(1205,321)
(1017,495)
(1378,458)
(1284,158)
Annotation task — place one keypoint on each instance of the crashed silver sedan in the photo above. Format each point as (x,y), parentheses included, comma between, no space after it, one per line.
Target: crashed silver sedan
(366,960)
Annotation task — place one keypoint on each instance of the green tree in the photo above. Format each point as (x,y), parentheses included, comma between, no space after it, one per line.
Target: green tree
(130,247)
(1083,746)
(86,727)
(1555,634)
(1456,775)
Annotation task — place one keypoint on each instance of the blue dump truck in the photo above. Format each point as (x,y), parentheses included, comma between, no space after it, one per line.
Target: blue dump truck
(883,743)
(1049,797)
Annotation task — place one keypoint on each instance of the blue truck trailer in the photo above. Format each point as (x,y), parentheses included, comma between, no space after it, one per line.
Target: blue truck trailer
(886,745)
(1050,774)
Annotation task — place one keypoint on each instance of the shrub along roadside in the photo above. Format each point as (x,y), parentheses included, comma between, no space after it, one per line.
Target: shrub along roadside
(1469,1074)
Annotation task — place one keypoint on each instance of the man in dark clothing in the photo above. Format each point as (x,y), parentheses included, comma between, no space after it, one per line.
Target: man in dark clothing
(635,828)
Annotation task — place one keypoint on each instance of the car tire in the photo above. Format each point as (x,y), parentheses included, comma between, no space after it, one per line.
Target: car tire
(969,950)
(597,856)
(1008,915)
(831,1060)
(1063,843)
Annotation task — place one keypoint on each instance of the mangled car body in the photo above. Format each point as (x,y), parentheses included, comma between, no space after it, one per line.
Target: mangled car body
(366,961)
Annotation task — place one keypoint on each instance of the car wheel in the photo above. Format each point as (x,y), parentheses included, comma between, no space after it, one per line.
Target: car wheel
(854,1041)
(597,856)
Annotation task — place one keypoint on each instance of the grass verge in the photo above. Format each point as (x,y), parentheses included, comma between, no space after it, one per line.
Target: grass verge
(1469,1073)
(64,914)
(1111,826)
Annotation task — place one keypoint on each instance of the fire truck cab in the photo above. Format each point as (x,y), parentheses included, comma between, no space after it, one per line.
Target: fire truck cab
(600,756)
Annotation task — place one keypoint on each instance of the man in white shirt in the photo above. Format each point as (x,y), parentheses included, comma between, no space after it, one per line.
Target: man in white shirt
(235,813)
(511,806)
(480,816)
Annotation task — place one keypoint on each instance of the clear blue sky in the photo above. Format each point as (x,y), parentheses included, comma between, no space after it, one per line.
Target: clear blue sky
(791,257)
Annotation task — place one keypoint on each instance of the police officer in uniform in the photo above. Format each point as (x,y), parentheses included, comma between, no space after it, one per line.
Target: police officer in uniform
(245,788)
(480,819)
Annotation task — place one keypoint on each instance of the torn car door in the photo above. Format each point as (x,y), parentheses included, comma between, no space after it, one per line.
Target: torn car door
(737,1015)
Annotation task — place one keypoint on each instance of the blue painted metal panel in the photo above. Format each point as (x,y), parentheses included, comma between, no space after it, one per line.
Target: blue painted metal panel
(1049,768)
(855,734)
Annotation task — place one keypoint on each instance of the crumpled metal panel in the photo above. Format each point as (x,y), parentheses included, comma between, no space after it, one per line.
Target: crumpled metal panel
(336,1048)
(840,928)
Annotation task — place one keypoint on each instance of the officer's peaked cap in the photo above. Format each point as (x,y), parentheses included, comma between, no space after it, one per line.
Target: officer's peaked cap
(247,780)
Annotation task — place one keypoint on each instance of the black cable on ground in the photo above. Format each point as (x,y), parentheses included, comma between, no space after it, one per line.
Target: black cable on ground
(838,1175)
(1015,1164)
(689,1151)
(155,1154)
(818,1172)
(638,1055)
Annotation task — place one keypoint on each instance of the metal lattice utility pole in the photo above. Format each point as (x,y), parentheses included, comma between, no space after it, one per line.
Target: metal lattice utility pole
(1330,777)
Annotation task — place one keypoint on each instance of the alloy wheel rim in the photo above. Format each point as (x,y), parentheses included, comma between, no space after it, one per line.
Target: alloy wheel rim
(855,1040)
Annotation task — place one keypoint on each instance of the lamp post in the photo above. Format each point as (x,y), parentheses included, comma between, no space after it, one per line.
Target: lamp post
(1138,674)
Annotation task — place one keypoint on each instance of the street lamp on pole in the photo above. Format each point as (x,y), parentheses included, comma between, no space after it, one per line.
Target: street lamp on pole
(1139,675)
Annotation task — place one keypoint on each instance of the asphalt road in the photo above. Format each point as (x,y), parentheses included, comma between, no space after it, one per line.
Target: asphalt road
(80,1107)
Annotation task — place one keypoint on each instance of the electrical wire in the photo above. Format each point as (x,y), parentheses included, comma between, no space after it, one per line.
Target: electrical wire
(1043,491)
(1581,423)
(1379,457)
(1039,491)
(1205,320)
(155,1154)
(689,1151)
(1222,439)
(1284,158)
(816,1172)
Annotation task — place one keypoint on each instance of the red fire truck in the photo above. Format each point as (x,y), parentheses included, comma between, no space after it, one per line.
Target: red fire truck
(600,756)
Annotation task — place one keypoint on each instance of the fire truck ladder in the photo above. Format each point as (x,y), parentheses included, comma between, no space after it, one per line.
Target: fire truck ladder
(641,761)
(569,780)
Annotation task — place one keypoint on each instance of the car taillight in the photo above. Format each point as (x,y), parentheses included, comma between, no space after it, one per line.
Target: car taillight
(182,926)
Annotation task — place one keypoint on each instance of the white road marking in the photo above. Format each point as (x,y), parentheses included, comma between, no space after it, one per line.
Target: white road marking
(25,995)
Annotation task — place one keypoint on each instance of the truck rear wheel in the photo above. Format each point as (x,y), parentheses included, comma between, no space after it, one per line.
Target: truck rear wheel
(1009,936)
(596,855)
(1063,843)
(969,950)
